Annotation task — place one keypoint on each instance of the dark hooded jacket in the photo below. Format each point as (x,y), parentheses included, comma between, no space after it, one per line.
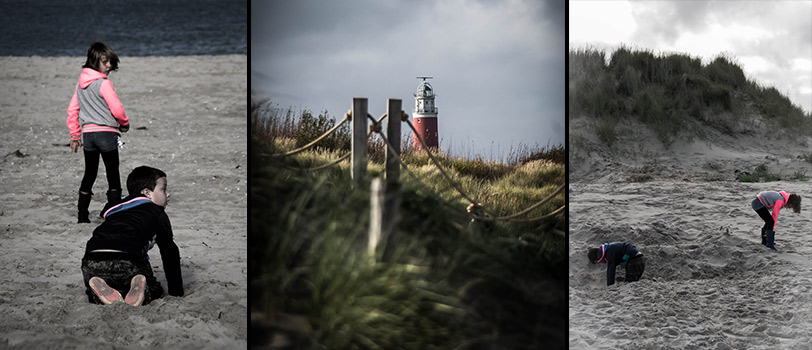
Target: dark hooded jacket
(134,226)
(614,254)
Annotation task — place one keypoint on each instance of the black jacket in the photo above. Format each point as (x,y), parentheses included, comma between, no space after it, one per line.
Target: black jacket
(614,256)
(133,226)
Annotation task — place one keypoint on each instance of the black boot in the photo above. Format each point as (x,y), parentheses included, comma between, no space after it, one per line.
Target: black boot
(770,239)
(84,203)
(763,236)
(113,198)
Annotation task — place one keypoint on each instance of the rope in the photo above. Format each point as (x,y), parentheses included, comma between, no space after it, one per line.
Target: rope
(375,127)
(320,167)
(437,164)
(342,158)
(534,206)
(404,117)
(347,116)
(376,124)
(561,208)
(489,216)
(392,148)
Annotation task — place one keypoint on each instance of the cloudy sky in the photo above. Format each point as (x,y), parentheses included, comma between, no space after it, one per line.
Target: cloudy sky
(498,66)
(771,40)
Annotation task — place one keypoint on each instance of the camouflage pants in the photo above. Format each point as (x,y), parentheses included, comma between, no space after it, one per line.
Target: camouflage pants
(118,270)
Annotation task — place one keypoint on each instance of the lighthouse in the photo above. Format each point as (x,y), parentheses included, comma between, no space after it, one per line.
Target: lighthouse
(425,116)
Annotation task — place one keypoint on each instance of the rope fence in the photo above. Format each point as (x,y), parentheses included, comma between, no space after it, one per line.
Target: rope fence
(347,117)
(475,209)
(490,216)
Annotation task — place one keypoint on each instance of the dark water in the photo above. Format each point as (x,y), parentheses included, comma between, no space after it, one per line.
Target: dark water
(131,28)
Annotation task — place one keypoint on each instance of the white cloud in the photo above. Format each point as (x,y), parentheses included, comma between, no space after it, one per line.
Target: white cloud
(489,58)
(771,40)
(802,64)
(756,64)
(608,22)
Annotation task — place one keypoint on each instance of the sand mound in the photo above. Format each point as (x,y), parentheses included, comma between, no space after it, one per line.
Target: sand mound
(705,154)
(188,119)
(708,283)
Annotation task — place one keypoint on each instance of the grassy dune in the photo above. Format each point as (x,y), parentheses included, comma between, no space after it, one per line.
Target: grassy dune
(454,283)
(674,95)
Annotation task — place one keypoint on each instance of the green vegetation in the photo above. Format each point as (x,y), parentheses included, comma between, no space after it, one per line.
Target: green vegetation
(672,94)
(759,174)
(302,130)
(759,177)
(453,284)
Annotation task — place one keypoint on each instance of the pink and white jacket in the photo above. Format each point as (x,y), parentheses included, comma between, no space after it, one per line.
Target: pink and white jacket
(94,106)
(774,200)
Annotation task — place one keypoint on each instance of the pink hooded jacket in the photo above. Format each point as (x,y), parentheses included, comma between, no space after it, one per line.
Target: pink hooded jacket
(95,107)
(774,200)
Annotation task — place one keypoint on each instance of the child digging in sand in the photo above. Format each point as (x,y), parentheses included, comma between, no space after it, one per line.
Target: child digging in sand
(116,260)
(95,120)
(618,253)
(775,201)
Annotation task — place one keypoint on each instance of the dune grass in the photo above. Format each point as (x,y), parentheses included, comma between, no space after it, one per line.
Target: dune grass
(760,174)
(671,92)
(454,283)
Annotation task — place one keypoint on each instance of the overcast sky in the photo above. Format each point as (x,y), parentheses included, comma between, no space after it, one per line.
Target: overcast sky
(771,40)
(498,66)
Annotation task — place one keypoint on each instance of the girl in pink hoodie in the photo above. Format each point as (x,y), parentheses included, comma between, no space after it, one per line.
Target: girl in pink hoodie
(775,201)
(96,119)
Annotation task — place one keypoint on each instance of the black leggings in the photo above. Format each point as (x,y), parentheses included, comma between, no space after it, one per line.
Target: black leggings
(92,170)
(768,219)
(635,268)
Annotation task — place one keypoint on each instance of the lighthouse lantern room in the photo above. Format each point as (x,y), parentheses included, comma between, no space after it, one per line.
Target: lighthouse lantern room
(425,116)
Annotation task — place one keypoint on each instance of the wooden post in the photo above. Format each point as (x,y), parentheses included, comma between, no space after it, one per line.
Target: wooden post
(359,140)
(394,112)
(391,206)
(375,214)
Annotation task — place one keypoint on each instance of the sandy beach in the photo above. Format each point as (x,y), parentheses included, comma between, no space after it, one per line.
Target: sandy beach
(188,118)
(708,283)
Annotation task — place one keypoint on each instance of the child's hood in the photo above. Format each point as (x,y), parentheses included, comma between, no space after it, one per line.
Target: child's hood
(127,203)
(88,76)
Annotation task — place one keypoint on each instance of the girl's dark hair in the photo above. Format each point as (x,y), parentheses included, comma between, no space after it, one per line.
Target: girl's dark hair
(95,53)
(795,200)
(592,254)
(143,177)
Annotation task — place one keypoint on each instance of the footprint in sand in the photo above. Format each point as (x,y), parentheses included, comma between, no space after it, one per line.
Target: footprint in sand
(670,332)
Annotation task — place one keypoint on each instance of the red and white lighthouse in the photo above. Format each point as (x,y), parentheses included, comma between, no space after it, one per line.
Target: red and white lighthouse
(425,116)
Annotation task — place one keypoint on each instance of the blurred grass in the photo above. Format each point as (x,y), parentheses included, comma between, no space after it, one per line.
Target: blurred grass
(454,284)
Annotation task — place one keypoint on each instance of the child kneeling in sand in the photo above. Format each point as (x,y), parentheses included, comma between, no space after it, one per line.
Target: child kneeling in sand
(773,200)
(618,253)
(116,259)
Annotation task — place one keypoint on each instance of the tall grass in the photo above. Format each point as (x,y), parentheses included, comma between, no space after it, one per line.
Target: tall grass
(454,283)
(669,93)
